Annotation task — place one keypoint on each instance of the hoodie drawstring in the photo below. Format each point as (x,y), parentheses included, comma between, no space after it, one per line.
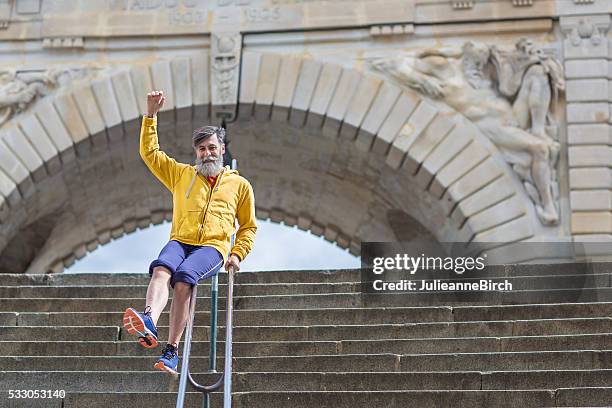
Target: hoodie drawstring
(191,184)
(226,169)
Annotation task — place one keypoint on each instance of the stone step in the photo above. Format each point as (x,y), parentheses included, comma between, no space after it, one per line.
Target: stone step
(479,344)
(59,333)
(243,317)
(335,275)
(566,397)
(331,315)
(145,381)
(381,362)
(599,341)
(330,332)
(108,291)
(535,311)
(315,301)
(124,279)
(541,360)
(258,289)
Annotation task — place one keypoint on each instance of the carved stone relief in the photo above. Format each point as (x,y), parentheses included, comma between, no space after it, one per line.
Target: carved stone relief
(509,94)
(19,89)
(225,69)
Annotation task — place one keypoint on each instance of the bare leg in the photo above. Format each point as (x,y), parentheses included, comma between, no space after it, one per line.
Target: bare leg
(540,172)
(520,108)
(157,292)
(179,312)
(539,102)
(518,140)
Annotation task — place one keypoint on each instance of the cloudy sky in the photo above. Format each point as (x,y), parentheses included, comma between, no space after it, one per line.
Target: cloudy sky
(277,247)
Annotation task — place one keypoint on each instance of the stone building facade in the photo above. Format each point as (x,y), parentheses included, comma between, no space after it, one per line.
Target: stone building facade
(361,120)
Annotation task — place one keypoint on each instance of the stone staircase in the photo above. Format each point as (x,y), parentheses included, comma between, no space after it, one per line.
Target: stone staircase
(311,339)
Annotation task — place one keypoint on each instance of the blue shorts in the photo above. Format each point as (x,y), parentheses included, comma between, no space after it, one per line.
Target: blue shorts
(188,263)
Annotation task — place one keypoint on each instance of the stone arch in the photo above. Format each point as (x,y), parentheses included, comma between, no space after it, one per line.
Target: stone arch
(465,190)
(446,155)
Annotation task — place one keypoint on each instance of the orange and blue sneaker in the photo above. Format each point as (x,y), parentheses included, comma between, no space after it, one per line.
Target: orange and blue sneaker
(168,362)
(141,325)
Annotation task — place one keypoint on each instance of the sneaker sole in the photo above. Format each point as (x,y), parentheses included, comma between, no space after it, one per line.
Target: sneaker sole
(162,367)
(135,326)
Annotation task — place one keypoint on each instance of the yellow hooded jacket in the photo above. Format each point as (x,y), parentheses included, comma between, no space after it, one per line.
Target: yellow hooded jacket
(202,215)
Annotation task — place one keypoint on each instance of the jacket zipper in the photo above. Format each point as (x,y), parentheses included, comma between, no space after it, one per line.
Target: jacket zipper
(213,188)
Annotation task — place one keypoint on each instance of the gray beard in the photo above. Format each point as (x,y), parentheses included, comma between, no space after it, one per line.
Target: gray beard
(209,168)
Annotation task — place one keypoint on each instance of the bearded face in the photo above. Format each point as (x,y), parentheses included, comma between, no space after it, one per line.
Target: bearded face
(209,166)
(474,62)
(209,156)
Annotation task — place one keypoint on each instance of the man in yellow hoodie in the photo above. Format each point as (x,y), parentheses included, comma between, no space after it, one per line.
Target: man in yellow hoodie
(207,199)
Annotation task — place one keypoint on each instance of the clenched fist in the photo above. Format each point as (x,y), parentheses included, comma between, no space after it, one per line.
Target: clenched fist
(155,101)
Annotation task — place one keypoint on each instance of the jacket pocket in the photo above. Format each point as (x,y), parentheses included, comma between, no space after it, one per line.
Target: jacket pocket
(218,225)
(188,226)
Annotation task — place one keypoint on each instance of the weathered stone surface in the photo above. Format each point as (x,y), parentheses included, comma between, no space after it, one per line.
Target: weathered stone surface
(592,177)
(437,130)
(37,136)
(321,99)
(88,107)
(589,134)
(269,69)
(465,161)
(141,79)
(200,90)
(410,132)
(360,104)
(587,112)
(14,138)
(106,101)
(398,116)
(590,156)
(587,90)
(181,80)
(161,77)
(594,68)
(594,200)
(343,94)
(494,192)
(592,222)
(51,121)
(68,111)
(304,89)
(286,87)
(454,142)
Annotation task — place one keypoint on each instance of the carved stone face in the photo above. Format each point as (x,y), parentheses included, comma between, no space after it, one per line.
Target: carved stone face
(528,48)
(474,62)
(476,55)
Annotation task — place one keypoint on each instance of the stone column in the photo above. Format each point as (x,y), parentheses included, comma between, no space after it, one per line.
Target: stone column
(588,69)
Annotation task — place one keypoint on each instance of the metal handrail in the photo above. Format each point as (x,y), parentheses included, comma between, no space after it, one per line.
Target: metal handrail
(225,377)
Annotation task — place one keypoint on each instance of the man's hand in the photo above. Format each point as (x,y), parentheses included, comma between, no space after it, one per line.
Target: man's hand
(155,101)
(234,262)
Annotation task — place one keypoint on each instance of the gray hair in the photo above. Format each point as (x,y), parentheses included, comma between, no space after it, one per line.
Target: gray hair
(207,131)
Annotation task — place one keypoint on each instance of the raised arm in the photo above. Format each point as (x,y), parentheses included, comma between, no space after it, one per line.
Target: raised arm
(165,168)
(425,74)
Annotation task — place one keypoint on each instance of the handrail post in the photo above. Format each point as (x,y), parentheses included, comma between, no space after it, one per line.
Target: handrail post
(212,356)
(227,372)
(214,295)
(187,349)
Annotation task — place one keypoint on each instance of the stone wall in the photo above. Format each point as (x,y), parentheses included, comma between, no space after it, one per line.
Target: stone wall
(330,144)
